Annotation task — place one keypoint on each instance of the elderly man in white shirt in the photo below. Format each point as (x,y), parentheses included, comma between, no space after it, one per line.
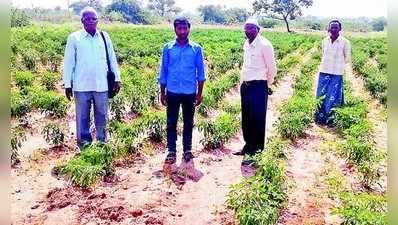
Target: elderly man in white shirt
(257,74)
(85,76)
(336,53)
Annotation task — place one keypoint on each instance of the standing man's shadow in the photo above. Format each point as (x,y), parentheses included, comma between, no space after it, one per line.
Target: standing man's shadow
(180,174)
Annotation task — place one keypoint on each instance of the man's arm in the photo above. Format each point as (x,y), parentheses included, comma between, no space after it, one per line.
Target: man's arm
(201,77)
(269,59)
(347,52)
(69,66)
(163,75)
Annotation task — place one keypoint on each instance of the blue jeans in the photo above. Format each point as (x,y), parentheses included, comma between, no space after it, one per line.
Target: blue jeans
(83,103)
(331,88)
(187,101)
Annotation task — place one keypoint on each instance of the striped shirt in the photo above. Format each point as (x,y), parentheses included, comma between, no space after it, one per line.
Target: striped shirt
(335,55)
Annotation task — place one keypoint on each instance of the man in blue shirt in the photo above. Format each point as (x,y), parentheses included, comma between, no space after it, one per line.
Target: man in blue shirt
(181,79)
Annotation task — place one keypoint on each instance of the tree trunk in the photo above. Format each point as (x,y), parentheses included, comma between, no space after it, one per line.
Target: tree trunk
(287,24)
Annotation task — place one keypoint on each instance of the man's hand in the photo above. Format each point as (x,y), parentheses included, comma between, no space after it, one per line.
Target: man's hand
(163,98)
(68,93)
(198,99)
(116,87)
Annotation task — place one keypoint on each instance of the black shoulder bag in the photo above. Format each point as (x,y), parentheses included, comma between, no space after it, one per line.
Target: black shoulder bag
(110,75)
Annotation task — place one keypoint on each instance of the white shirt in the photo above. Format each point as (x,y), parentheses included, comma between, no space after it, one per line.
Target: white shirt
(258,60)
(335,55)
(85,67)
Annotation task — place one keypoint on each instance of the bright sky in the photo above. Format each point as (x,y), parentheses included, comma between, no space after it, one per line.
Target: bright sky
(320,8)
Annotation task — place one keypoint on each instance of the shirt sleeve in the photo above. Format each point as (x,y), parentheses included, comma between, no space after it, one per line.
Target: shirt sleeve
(200,66)
(347,52)
(163,66)
(69,62)
(112,58)
(269,58)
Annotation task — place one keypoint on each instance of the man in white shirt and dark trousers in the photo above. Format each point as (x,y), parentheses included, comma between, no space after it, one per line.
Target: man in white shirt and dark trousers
(258,71)
(336,52)
(85,76)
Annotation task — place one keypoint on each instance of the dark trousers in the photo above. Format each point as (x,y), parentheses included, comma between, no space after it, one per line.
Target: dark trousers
(254,99)
(188,109)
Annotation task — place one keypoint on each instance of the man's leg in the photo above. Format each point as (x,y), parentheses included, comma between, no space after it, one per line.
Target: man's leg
(260,98)
(246,118)
(173,107)
(83,107)
(188,111)
(323,83)
(101,114)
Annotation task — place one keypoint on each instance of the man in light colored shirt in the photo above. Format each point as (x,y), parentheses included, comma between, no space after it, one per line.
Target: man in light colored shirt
(257,75)
(336,53)
(182,76)
(85,76)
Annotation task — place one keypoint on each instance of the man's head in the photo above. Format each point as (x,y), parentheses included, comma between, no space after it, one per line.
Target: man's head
(334,28)
(89,18)
(251,29)
(182,28)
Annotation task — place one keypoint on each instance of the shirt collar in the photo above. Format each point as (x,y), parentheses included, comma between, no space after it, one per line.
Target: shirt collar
(85,33)
(188,43)
(254,42)
(337,40)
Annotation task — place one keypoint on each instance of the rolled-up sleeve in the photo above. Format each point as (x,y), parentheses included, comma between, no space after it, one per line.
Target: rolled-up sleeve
(163,66)
(112,58)
(69,62)
(268,53)
(200,66)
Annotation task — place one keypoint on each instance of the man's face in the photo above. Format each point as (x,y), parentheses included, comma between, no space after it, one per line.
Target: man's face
(182,31)
(90,21)
(251,31)
(334,29)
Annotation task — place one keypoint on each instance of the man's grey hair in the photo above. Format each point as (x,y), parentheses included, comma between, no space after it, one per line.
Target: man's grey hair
(88,9)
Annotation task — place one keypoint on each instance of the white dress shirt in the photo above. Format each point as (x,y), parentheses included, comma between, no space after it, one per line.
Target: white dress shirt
(85,66)
(258,60)
(335,55)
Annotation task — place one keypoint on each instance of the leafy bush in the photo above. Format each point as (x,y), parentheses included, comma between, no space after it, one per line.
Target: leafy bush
(49,80)
(346,116)
(17,137)
(48,102)
(217,132)
(20,105)
(53,134)
(362,208)
(23,79)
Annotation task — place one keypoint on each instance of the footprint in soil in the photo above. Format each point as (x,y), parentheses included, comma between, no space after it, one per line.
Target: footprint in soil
(180,174)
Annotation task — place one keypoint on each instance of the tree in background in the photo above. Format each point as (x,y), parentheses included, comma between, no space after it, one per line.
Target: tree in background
(281,9)
(131,11)
(19,18)
(77,7)
(164,8)
(378,24)
(236,15)
(212,14)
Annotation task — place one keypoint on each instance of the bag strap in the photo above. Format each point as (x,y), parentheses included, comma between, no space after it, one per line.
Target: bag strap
(106,51)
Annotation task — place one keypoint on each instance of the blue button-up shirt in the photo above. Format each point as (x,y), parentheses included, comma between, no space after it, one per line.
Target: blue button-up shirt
(182,67)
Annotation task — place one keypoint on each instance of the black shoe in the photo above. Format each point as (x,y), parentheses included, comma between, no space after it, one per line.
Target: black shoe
(171,158)
(188,156)
(242,152)
(248,162)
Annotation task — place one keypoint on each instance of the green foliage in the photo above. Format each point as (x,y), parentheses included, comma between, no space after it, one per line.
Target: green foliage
(217,132)
(268,23)
(362,208)
(23,79)
(131,11)
(346,116)
(259,199)
(19,18)
(20,105)
(86,168)
(49,80)
(17,137)
(53,134)
(48,102)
